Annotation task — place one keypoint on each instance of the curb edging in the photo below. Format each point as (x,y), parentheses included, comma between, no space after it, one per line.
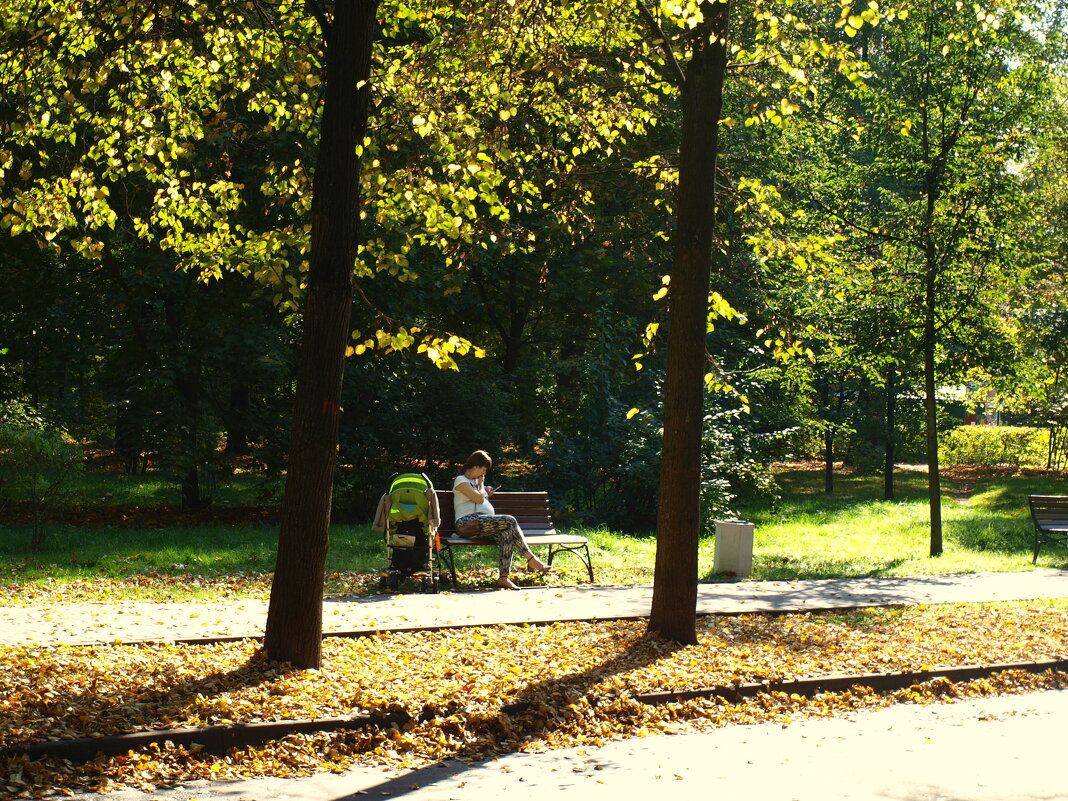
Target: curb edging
(220,739)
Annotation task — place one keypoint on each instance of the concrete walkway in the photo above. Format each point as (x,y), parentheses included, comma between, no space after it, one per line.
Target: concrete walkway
(1005,748)
(133,621)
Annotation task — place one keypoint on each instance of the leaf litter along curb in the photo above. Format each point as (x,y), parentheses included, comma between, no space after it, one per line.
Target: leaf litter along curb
(255,585)
(571,683)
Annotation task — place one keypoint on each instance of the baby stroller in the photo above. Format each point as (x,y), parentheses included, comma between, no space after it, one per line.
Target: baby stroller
(408,517)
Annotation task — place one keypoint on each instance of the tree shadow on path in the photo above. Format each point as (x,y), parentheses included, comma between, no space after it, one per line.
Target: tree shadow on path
(537,710)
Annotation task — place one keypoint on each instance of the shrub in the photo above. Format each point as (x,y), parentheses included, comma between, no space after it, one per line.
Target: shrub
(606,471)
(36,462)
(1014,446)
(735,469)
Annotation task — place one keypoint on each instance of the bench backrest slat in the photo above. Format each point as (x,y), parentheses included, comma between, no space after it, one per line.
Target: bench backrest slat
(530,509)
(1049,508)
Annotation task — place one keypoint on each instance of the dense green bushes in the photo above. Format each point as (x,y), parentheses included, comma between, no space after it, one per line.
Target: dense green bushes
(36,462)
(1015,446)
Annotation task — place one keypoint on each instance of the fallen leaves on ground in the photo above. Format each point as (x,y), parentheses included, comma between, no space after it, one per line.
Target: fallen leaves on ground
(147,587)
(565,684)
(184,586)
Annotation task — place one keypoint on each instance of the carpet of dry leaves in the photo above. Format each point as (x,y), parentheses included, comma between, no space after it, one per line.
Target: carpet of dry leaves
(575,683)
(183,586)
(180,586)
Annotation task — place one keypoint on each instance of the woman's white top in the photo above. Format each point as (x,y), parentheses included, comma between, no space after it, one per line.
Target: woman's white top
(464,506)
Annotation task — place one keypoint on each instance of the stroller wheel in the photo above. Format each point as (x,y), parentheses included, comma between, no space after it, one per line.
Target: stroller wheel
(390,582)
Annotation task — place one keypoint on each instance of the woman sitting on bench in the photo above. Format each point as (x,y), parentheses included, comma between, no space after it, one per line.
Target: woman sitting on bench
(471,500)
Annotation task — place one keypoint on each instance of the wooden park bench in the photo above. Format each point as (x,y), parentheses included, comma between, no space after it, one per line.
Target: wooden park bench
(531,510)
(1049,513)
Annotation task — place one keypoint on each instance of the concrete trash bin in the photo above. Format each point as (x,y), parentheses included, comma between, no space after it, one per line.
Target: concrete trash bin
(734,548)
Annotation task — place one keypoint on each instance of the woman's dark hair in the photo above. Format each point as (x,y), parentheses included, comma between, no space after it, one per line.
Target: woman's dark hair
(477,459)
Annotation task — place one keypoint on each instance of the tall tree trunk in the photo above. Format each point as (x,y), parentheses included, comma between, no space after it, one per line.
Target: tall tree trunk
(512,336)
(674,605)
(237,427)
(828,460)
(40,524)
(828,437)
(930,407)
(295,615)
(1053,455)
(1056,451)
(931,189)
(891,433)
(188,386)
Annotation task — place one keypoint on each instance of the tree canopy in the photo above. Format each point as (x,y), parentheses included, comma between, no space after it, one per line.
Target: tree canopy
(887,218)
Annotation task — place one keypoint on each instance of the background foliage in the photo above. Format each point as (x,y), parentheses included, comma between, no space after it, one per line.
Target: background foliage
(155,164)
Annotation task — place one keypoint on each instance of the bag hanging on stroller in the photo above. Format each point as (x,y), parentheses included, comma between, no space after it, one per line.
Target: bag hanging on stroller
(408,516)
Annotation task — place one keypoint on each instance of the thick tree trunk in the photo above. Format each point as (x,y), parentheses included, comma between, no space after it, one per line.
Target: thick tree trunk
(674,605)
(295,615)
(891,433)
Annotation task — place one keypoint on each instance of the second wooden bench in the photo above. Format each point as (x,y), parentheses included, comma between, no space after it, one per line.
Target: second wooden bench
(531,511)
(1049,513)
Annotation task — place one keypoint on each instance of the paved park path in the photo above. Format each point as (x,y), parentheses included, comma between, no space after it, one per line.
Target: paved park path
(1005,748)
(134,621)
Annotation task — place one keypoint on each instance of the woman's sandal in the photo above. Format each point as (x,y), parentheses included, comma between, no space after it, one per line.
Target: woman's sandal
(541,568)
(506,583)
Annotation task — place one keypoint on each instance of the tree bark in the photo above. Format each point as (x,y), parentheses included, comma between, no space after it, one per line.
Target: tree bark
(828,461)
(237,423)
(931,190)
(188,386)
(828,439)
(930,406)
(295,615)
(40,526)
(673,615)
(891,433)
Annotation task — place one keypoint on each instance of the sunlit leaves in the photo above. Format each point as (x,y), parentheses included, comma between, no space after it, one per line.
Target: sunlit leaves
(154,106)
(442,350)
(789,41)
(474,174)
(662,292)
(855,17)
(685,13)
(573,682)
(192,128)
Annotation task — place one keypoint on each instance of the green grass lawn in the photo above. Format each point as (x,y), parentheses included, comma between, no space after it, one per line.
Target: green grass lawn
(108,488)
(808,534)
(986,526)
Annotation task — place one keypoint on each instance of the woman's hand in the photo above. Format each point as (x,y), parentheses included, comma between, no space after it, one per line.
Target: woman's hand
(469,492)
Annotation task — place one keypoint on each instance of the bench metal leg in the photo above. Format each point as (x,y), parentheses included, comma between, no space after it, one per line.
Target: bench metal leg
(581,551)
(445,555)
(1054,538)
